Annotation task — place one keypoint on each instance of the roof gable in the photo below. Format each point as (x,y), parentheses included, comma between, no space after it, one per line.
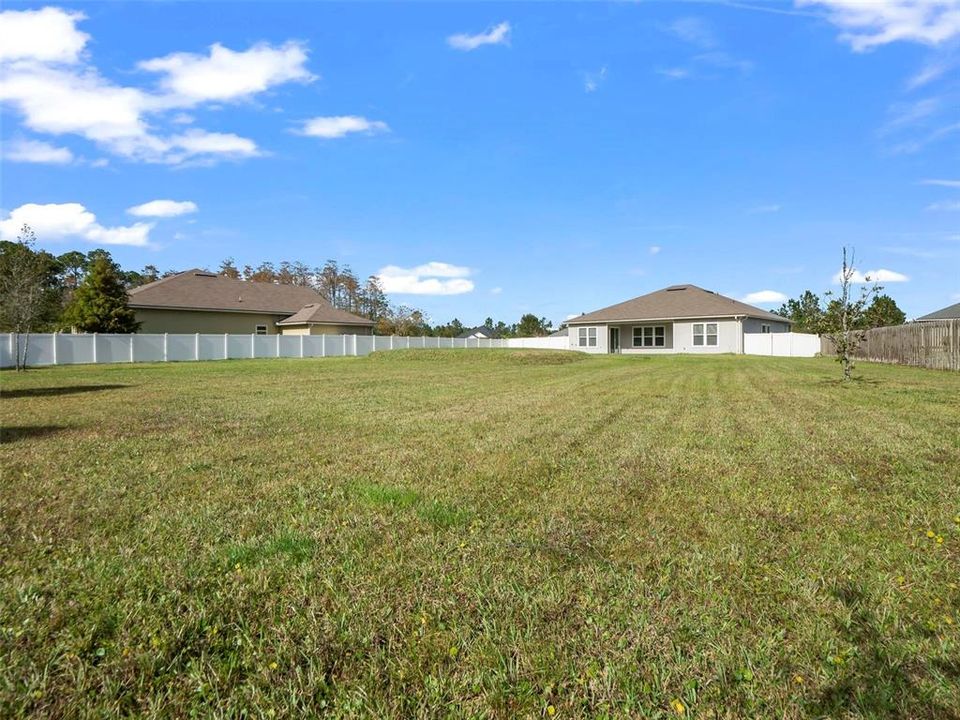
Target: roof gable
(676,301)
(323,313)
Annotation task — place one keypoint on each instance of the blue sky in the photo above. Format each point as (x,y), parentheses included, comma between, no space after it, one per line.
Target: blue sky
(496,159)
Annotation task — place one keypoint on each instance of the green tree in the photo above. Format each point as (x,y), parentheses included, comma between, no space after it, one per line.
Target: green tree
(532,326)
(100,303)
(29,290)
(883,312)
(805,312)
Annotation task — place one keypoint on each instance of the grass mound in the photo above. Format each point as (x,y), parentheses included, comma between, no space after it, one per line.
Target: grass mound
(480,356)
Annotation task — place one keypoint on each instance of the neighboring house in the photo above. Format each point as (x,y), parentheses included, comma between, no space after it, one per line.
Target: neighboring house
(197,301)
(562,332)
(677,319)
(951,312)
(482,332)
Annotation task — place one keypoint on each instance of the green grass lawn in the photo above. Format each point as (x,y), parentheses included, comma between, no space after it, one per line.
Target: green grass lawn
(480,533)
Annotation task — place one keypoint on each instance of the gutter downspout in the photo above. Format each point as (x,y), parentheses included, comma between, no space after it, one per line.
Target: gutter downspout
(740,335)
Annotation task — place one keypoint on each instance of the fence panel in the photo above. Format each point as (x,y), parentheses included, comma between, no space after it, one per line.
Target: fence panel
(69,349)
(240,346)
(934,345)
(146,348)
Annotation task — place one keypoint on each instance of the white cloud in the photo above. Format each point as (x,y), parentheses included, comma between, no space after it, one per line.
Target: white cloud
(929,73)
(654,249)
(694,30)
(763,297)
(338,126)
(867,24)
(946,205)
(163,208)
(941,183)
(880,275)
(496,290)
(593,80)
(496,35)
(432,278)
(45,35)
(35,151)
(61,221)
(699,33)
(124,120)
(764,209)
(676,73)
(225,74)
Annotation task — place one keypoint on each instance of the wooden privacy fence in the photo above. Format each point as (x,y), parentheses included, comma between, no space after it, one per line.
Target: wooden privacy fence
(934,345)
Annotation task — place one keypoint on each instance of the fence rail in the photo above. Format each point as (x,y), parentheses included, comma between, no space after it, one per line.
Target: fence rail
(934,345)
(64,349)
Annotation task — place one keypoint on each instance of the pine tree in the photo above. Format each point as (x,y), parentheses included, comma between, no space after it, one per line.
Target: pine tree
(100,303)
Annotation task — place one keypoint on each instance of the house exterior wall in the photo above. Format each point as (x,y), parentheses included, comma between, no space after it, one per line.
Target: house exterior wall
(203,321)
(753,325)
(341,330)
(678,336)
(626,339)
(326,330)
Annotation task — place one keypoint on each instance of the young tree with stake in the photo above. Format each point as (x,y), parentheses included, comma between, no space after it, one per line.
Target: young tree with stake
(844,322)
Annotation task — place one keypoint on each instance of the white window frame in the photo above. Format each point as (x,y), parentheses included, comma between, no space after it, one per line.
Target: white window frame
(701,332)
(587,337)
(650,336)
(258,328)
(765,328)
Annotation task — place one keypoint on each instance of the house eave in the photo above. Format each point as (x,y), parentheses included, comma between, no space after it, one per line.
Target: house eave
(598,321)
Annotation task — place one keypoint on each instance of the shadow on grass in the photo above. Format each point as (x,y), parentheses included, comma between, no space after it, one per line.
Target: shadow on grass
(56,391)
(12,434)
(877,683)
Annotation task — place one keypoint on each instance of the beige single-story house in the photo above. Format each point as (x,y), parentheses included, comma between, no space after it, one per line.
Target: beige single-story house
(197,301)
(677,319)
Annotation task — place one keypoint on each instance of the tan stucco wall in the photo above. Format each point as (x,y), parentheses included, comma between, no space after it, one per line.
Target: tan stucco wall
(202,321)
(340,330)
(298,330)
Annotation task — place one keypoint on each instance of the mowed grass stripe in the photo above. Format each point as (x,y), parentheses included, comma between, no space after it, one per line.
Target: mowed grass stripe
(480,534)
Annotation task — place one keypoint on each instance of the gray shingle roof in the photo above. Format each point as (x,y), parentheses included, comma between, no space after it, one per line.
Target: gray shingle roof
(201,290)
(323,313)
(486,330)
(676,301)
(951,312)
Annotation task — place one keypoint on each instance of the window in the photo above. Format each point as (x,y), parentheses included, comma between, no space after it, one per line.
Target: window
(587,337)
(261,329)
(764,328)
(704,334)
(649,336)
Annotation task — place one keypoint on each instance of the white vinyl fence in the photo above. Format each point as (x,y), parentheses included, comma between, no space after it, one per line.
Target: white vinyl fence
(781,344)
(68,349)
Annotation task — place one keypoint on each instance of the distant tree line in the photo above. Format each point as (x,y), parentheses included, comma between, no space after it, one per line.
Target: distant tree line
(87,292)
(810,314)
